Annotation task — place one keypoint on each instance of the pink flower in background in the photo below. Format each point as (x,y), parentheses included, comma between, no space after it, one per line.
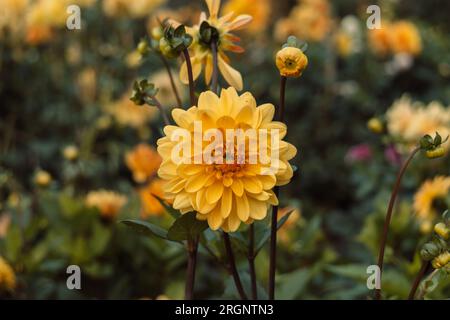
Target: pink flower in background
(392,155)
(359,153)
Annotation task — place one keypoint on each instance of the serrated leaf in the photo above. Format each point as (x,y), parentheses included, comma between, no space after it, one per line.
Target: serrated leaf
(146,228)
(186,227)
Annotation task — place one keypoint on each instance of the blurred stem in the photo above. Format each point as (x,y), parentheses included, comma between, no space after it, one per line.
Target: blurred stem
(251,261)
(418,279)
(191,77)
(172,82)
(157,104)
(273,226)
(215,73)
(192,246)
(232,266)
(389,216)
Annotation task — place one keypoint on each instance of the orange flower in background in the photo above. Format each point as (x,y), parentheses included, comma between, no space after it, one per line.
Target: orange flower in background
(405,38)
(379,39)
(225,194)
(143,161)
(127,8)
(258,9)
(7,276)
(201,55)
(109,203)
(310,20)
(150,204)
(430,191)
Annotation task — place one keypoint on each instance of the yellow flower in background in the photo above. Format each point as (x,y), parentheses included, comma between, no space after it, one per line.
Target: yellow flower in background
(310,20)
(224,194)
(128,114)
(291,62)
(150,204)
(70,153)
(12,12)
(409,121)
(201,55)
(143,161)
(127,8)
(42,178)
(7,276)
(344,44)
(87,84)
(289,224)
(165,93)
(405,38)
(430,191)
(259,10)
(109,203)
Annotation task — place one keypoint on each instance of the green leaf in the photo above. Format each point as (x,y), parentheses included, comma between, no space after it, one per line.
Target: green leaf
(291,285)
(146,228)
(173,212)
(266,233)
(186,227)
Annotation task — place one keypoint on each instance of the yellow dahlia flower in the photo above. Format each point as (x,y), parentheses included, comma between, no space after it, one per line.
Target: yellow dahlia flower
(231,188)
(143,161)
(291,62)
(7,276)
(409,121)
(430,191)
(109,203)
(201,55)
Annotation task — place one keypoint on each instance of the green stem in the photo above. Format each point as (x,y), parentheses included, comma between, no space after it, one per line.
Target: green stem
(389,216)
(158,105)
(192,246)
(232,266)
(273,226)
(172,82)
(251,261)
(191,77)
(418,279)
(215,73)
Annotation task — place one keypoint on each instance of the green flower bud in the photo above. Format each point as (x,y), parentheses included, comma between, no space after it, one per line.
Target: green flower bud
(429,251)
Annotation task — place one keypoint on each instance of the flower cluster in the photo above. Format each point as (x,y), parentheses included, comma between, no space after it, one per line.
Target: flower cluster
(399,37)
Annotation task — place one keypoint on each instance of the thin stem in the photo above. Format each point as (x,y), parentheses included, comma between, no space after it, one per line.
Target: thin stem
(172,82)
(389,216)
(232,266)
(251,261)
(215,74)
(273,226)
(158,105)
(192,246)
(191,77)
(418,279)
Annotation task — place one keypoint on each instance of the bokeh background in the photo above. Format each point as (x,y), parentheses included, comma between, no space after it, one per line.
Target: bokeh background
(74,151)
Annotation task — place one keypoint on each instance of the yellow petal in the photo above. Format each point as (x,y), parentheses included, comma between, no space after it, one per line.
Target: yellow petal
(182,200)
(196,70)
(258,209)
(231,76)
(215,219)
(227,202)
(242,207)
(208,101)
(208,69)
(233,222)
(196,182)
(214,192)
(213,7)
(252,185)
(240,21)
(237,187)
(267,112)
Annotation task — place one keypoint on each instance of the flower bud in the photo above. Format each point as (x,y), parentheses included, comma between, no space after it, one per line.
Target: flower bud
(429,251)
(442,230)
(166,49)
(435,153)
(375,125)
(143,47)
(441,260)
(157,33)
(42,178)
(70,153)
(291,62)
